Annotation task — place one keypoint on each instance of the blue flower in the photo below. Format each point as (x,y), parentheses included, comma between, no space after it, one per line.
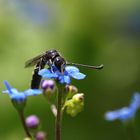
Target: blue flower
(125,113)
(36,12)
(70,72)
(20,96)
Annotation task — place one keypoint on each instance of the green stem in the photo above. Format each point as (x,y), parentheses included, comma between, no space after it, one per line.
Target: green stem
(58,117)
(129,128)
(22,118)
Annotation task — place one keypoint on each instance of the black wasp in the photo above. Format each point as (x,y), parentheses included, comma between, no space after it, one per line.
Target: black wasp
(51,57)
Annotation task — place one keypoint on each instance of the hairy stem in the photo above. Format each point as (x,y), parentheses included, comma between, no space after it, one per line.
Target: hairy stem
(58,117)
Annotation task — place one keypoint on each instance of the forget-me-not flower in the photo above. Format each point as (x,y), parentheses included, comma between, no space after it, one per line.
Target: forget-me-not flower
(34,11)
(17,96)
(125,113)
(69,72)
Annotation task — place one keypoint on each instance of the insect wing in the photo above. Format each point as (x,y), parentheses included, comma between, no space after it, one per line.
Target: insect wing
(33,61)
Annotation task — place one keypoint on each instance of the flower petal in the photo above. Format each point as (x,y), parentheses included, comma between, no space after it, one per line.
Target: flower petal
(20,96)
(125,113)
(31,92)
(111,115)
(122,114)
(45,73)
(64,79)
(13,90)
(135,103)
(78,75)
(71,69)
(8,87)
(51,75)
(67,79)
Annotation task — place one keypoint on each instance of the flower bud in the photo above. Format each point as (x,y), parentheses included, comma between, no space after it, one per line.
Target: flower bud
(47,84)
(71,89)
(32,121)
(27,139)
(78,97)
(75,105)
(40,135)
(49,88)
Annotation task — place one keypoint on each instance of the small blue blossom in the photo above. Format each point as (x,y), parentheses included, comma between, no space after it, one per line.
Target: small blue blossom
(125,113)
(70,72)
(36,12)
(20,96)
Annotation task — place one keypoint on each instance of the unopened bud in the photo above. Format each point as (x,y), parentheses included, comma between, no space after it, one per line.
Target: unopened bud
(71,89)
(40,135)
(78,97)
(27,139)
(48,86)
(32,121)
(75,105)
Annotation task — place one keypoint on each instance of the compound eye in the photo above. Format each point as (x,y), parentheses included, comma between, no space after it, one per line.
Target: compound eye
(59,62)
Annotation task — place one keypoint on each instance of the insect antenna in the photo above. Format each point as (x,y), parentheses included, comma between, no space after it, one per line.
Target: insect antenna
(87,66)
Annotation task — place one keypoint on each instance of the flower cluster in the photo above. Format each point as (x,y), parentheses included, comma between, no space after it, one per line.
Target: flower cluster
(68,98)
(47,86)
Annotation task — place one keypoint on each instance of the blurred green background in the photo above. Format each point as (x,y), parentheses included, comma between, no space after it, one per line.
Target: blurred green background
(84,31)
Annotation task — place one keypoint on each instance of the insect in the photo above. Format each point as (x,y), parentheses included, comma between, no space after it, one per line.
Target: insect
(50,57)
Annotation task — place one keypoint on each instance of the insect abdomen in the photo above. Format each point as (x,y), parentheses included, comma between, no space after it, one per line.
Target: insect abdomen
(35,82)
